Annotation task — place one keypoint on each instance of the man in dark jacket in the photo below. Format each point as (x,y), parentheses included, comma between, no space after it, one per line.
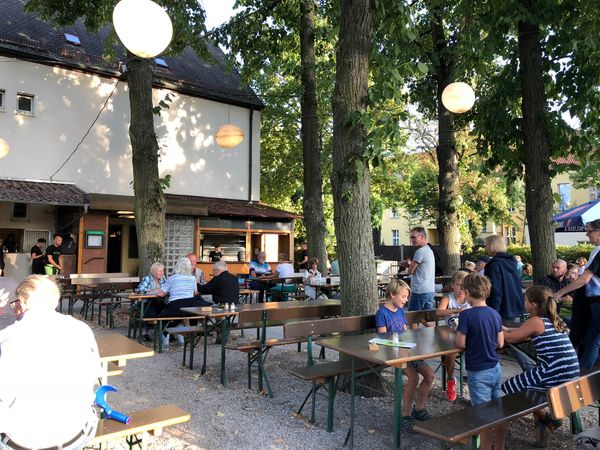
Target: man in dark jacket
(557,278)
(223,287)
(506,296)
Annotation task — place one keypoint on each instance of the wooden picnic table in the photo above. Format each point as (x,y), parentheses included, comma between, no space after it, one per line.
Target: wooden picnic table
(117,348)
(222,319)
(99,287)
(430,343)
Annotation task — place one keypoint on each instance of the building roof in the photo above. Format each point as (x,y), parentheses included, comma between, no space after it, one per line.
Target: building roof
(42,192)
(26,36)
(197,206)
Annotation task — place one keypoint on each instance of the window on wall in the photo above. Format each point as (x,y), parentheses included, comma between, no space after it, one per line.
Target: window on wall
(394,214)
(2,99)
(564,191)
(25,104)
(19,211)
(593,192)
(395,237)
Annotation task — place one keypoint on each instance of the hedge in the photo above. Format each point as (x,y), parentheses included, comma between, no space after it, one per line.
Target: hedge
(569,253)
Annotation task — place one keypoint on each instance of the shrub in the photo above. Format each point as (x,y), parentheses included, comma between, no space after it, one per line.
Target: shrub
(569,253)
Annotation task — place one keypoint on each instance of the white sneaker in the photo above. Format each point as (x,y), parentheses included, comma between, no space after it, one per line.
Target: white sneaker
(165,342)
(180,339)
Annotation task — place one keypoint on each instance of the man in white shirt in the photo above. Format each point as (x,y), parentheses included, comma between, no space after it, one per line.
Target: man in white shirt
(422,272)
(49,365)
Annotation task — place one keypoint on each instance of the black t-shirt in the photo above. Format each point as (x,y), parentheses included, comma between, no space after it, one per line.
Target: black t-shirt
(53,251)
(215,256)
(302,256)
(37,265)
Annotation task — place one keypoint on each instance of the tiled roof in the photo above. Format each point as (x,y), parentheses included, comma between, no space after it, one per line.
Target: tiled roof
(197,206)
(566,160)
(26,36)
(49,193)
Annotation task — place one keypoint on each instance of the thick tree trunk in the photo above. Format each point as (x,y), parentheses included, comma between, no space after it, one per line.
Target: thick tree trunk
(538,190)
(149,203)
(350,178)
(448,172)
(314,218)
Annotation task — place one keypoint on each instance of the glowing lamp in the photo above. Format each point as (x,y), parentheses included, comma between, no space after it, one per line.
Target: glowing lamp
(458,97)
(4,148)
(143,26)
(228,136)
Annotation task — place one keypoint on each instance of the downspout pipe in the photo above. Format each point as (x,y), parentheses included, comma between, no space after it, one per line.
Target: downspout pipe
(250,139)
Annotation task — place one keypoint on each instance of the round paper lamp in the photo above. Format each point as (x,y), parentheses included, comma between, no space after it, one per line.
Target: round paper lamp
(4,148)
(143,26)
(458,97)
(229,136)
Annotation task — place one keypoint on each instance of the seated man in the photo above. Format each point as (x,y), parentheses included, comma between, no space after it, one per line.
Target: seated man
(557,279)
(49,364)
(223,287)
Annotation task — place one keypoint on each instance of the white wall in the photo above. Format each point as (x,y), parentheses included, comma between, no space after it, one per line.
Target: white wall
(66,103)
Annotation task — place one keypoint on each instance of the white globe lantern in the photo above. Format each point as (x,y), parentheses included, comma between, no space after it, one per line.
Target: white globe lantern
(228,136)
(143,26)
(458,97)
(4,148)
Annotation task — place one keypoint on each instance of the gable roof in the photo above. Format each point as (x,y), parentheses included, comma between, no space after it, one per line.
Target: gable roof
(26,36)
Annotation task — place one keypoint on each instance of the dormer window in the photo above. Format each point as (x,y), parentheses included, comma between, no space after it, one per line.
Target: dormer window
(161,62)
(72,39)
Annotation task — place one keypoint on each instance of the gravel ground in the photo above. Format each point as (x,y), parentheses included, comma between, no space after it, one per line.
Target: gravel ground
(236,417)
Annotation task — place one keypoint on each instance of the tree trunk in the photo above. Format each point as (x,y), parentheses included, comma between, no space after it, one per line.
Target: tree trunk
(149,200)
(538,190)
(448,172)
(314,218)
(350,177)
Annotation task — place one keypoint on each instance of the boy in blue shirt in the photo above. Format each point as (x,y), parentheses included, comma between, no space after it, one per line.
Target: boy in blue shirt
(390,319)
(480,333)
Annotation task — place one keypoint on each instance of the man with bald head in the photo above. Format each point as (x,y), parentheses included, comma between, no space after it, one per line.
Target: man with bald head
(49,365)
(557,279)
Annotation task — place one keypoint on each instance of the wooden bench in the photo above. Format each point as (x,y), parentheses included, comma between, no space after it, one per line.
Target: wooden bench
(466,424)
(162,323)
(261,319)
(191,337)
(326,374)
(151,420)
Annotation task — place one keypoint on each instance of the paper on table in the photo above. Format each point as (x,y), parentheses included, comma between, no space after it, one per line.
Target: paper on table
(389,342)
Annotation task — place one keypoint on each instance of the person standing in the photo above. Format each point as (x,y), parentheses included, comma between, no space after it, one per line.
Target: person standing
(38,257)
(216,254)
(422,272)
(303,263)
(506,296)
(49,365)
(53,253)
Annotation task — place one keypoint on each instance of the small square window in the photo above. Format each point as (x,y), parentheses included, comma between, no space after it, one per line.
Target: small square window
(161,63)
(25,104)
(19,211)
(2,96)
(72,39)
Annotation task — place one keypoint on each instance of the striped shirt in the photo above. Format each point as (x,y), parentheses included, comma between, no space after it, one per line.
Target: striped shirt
(180,286)
(557,363)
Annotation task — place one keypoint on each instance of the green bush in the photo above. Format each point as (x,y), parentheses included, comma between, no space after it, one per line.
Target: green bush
(569,253)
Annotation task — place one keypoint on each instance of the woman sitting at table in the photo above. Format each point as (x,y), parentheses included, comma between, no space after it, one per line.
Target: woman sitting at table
(259,268)
(181,287)
(151,284)
(283,270)
(310,277)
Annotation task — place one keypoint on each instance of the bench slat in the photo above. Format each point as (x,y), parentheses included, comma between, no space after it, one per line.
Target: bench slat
(141,421)
(325,370)
(467,422)
(329,326)
(185,330)
(574,395)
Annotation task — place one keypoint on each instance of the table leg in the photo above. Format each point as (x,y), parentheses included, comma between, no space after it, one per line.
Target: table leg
(104,372)
(352,395)
(140,324)
(398,407)
(224,337)
(203,371)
